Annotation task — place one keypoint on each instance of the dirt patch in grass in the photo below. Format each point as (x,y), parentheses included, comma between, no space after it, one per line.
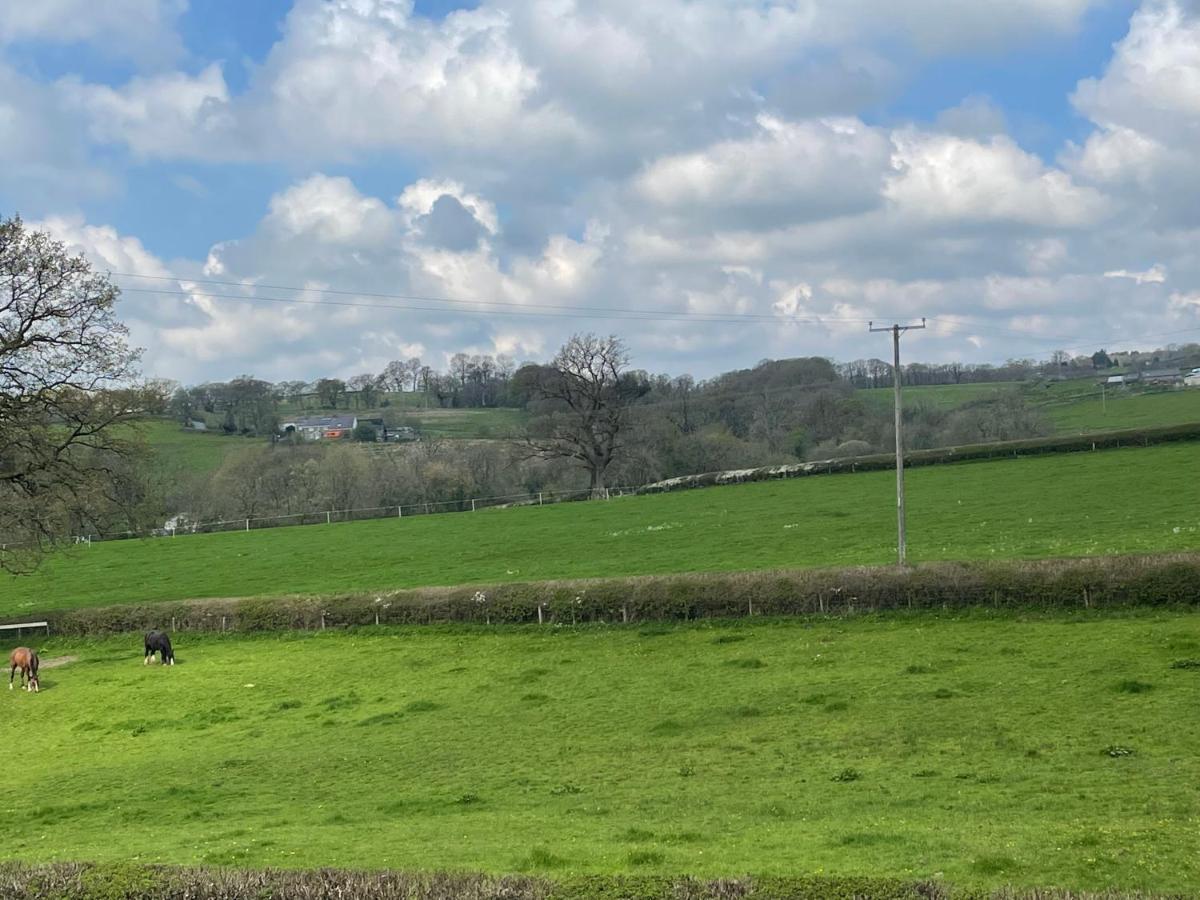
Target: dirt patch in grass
(56,661)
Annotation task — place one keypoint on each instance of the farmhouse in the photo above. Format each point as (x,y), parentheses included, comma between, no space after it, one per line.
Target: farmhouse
(315,428)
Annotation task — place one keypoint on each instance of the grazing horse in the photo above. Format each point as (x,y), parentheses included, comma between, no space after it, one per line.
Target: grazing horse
(27,661)
(158,642)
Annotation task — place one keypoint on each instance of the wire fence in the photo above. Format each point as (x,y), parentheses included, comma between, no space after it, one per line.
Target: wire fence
(331,516)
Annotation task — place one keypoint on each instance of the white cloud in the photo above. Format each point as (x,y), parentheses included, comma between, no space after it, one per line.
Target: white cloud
(141,29)
(939,177)
(785,171)
(1156,274)
(1146,107)
(173,114)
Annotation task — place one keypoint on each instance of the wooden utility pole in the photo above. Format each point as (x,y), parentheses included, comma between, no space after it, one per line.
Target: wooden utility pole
(901,542)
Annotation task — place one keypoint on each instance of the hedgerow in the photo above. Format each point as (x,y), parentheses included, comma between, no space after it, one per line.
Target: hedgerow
(84,881)
(1108,440)
(1090,582)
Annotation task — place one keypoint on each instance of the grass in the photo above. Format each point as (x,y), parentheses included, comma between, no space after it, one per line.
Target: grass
(416,749)
(938,396)
(182,451)
(466,424)
(1077,407)
(1078,504)
(1073,407)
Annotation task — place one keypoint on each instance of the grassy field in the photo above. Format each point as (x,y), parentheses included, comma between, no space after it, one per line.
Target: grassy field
(938,396)
(458,424)
(1115,501)
(179,450)
(1054,750)
(1077,406)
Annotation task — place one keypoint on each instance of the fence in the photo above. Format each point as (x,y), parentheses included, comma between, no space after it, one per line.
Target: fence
(1142,437)
(330,516)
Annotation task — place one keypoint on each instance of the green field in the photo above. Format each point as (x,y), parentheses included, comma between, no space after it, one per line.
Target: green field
(1076,504)
(976,747)
(458,424)
(1077,406)
(180,451)
(938,396)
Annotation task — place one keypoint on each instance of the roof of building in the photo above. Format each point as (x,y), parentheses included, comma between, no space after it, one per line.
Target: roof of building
(323,422)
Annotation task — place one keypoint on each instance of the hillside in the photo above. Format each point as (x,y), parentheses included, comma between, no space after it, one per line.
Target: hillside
(1115,501)
(990,750)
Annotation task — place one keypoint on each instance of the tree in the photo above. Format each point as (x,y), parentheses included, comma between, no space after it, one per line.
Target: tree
(65,395)
(394,375)
(582,402)
(330,392)
(366,388)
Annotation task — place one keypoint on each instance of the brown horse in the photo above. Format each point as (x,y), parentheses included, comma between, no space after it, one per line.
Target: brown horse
(27,661)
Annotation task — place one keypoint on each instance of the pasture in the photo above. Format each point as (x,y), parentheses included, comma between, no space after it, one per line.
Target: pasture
(1078,407)
(991,749)
(1072,504)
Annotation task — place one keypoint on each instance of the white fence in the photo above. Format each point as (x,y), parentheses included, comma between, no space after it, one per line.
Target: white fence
(330,516)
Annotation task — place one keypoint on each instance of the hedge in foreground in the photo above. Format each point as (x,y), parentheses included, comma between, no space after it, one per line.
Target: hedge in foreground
(1090,582)
(76,881)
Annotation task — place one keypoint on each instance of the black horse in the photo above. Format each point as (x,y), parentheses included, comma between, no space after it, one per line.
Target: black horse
(158,642)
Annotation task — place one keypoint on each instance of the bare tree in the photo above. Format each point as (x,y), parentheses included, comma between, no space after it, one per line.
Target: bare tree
(394,375)
(65,368)
(365,387)
(582,402)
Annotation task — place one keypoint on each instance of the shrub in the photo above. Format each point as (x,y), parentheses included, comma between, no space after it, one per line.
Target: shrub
(1093,582)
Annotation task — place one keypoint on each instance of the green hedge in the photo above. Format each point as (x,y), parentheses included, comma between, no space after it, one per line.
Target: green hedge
(1105,440)
(1105,581)
(83,881)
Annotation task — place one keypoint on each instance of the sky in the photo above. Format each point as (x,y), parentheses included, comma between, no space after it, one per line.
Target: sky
(296,189)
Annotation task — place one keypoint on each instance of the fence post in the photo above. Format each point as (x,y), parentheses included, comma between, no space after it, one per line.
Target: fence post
(539,498)
(472,504)
(399,512)
(539,614)
(172,623)
(327,520)
(247,524)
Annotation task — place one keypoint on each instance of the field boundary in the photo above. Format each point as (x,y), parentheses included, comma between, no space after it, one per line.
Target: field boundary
(1108,440)
(1079,583)
(90,881)
(1101,440)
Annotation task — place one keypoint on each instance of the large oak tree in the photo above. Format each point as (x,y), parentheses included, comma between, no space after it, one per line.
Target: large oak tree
(66,392)
(581,403)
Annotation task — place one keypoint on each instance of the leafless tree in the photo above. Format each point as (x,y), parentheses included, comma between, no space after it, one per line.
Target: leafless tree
(65,371)
(582,401)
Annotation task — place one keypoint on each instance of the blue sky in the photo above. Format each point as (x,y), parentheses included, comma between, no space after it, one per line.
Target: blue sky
(1010,169)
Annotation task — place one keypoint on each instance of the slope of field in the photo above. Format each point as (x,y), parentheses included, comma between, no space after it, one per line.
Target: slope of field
(938,396)
(182,451)
(1057,750)
(1114,501)
(1078,406)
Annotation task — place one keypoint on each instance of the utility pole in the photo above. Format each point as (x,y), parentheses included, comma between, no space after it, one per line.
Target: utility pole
(901,543)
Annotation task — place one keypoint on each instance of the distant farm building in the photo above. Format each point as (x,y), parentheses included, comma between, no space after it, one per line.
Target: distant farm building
(315,428)
(1162,376)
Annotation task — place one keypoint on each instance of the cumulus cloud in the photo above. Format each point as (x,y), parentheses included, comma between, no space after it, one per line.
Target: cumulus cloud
(942,177)
(1146,107)
(143,30)
(1154,275)
(699,158)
